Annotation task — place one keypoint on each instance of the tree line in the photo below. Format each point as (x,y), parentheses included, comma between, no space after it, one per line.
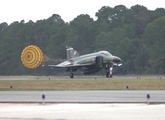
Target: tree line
(136,35)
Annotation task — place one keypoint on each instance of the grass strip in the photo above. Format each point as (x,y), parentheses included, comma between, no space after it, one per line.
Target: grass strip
(98,84)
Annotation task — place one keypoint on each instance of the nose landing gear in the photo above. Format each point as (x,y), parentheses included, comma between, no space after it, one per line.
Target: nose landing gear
(109,69)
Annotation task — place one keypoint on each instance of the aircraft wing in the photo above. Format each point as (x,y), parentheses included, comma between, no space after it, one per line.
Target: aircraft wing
(67,64)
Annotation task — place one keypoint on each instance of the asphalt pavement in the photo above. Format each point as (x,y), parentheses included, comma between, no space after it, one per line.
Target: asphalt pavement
(127,96)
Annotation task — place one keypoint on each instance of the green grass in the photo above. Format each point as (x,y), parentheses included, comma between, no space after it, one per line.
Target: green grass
(85,83)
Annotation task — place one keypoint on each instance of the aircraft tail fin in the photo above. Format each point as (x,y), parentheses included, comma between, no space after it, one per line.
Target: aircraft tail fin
(71,53)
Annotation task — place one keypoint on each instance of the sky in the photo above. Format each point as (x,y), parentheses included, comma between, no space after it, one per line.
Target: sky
(17,10)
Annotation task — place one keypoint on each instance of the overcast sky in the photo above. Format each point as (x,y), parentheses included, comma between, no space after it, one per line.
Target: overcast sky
(17,10)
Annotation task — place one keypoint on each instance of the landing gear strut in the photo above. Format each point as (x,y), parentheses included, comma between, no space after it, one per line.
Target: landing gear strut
(109,69)
(71,75)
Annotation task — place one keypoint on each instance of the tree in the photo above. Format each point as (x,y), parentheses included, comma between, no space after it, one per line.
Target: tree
(126,50)
(154,37)
(82,33)
(103,13)
(110,40)
(3,26)
(115,17)
(141,19)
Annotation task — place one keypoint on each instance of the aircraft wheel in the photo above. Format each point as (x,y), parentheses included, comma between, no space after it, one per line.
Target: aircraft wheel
(110,76)
(107,75)
(71,75)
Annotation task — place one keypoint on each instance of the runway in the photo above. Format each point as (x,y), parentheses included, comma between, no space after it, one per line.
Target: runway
(127,96)
(81,112)
(82,105)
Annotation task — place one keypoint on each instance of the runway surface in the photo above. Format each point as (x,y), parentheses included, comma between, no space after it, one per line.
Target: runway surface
(81,112)
(74,105)
(127,96)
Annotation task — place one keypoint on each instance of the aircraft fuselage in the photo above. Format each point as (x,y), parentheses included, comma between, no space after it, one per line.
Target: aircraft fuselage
(95,61)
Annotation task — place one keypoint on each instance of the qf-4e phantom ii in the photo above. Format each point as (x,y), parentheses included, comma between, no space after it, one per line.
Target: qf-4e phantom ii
(89,63)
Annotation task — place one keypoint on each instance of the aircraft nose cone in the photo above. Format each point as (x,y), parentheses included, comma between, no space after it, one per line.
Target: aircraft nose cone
(116,60)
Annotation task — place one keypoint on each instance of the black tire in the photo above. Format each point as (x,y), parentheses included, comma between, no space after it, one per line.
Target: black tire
(71,75)
(107,75)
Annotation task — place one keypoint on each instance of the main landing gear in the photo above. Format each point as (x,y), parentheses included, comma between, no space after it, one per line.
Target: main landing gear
(71,75)
(109,69)
(71,70)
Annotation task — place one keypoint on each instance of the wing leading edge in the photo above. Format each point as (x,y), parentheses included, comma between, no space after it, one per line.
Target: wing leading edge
(67,64)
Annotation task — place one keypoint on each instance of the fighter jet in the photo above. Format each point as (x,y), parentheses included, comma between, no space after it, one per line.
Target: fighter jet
(89,63)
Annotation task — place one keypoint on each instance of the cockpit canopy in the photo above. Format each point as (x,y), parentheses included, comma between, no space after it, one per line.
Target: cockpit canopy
(105,53)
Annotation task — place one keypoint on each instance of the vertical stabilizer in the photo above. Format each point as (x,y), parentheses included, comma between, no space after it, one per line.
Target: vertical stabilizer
(71,53)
